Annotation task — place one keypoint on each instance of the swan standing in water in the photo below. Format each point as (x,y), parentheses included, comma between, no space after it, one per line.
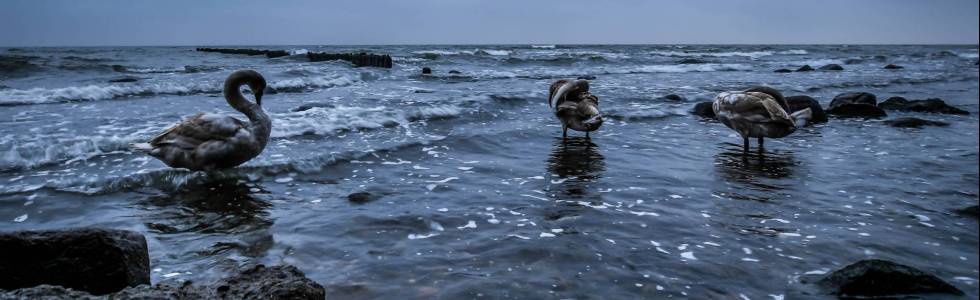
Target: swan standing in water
(574,106)
(759,112)
(212,141)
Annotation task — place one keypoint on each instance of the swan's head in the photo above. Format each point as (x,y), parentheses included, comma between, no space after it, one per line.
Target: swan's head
(257,85)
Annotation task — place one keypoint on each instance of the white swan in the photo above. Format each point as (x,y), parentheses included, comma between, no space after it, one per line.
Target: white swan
(213,141)
(758,112)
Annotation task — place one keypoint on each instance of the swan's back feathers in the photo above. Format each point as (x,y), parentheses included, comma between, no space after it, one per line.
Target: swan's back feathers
(205,141)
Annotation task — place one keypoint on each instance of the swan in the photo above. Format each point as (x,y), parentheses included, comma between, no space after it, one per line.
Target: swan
(574,106)
(213,141)
(759,112)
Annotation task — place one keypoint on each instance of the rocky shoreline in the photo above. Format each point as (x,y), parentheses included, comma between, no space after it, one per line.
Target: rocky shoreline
(94,263)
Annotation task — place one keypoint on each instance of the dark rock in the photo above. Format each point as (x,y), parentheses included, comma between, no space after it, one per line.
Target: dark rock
(931,105)
(673,97)
(587,77)
(691,61)
(455,72)
(893,67)
(882,278)
(125,79)
(259,282)
(119,68)
(832,67)
(805,68)
(426,71)
(797,103)
(704,109)
(309,106)
(853,61)
(913,122)
(969,211)
(361,197)
(98,261)
(783,71)
(855,105)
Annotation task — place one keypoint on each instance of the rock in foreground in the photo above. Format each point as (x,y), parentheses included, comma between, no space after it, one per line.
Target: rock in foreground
(908,122)
(259,282)
(931,105)
(797,103)
(855,105)
(882,278)
(98,261)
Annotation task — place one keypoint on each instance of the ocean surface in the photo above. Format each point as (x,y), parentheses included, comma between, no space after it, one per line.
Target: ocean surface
(473,192)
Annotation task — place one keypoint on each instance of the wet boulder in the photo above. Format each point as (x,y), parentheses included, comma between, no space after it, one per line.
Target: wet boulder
(783,71)
(426,71)
(704,109)
(455,72)
(797,103)
(893,67)
(882,278)
(931,105)
(832,67)
(691,61)
(908,122)
(805,68)
(859,104)
(969,211)
(672,97)
(258,282)
(98,261)
(361,197)
(124,79)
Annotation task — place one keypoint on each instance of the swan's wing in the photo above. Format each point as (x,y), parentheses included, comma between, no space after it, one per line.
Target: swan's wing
(198,129)
(741,106)
(773,109)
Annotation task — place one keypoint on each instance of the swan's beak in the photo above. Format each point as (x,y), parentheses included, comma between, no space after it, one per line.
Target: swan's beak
(594,122)
(258,98)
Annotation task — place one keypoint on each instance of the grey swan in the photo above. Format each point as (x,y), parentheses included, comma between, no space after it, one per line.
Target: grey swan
(574,106)
(214,141)
(759,112)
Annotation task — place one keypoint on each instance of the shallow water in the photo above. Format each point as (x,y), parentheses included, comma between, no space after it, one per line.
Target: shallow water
(474,193)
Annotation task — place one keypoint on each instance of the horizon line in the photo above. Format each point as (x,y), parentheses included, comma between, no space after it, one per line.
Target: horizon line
(509,44)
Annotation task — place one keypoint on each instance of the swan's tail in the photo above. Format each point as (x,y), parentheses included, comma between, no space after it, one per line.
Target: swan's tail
(143,147)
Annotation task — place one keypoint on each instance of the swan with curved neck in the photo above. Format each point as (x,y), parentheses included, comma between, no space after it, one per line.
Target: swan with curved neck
(574,106)
(212,141)
(759,112)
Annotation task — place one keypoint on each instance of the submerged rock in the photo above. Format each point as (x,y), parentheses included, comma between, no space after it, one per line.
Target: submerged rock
(426,71)
(908,122)
(853,61)
(882,278)
(931,105)
(310,106)
(672,97)
(98,261)
(361,197)
(893,67)
(969,211)
(258,282)
(832,67)
(691,61)
(704,109)
(855,105)
(805,68)
(586,77)
(455,72)
(797,103)
(783,71)
(125,79)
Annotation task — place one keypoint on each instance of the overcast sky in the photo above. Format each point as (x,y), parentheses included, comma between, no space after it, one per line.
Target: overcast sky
(248,22)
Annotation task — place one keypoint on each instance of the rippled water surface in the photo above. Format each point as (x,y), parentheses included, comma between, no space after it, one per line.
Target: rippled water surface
(472,191)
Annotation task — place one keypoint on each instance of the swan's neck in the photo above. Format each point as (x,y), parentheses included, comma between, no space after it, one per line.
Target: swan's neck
(261,125)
